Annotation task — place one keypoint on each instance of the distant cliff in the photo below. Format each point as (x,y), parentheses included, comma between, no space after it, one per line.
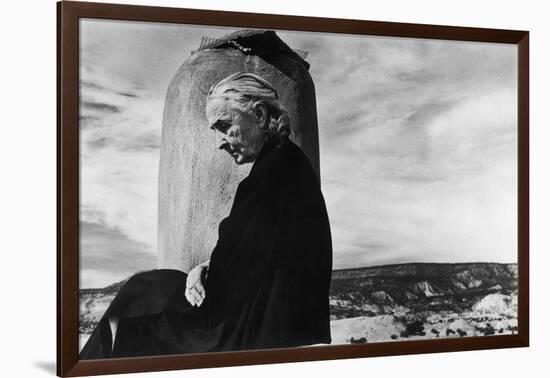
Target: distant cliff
(417,287)
(422,301)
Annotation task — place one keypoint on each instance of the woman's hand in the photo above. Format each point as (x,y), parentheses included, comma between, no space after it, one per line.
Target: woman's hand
(194,286)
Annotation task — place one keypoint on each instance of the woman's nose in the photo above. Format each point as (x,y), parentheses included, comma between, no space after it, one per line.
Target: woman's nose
(220,140)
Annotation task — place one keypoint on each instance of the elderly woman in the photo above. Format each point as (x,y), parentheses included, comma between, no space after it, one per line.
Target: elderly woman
(266,284)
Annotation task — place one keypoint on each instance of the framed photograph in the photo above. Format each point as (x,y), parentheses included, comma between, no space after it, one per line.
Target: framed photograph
(238,188)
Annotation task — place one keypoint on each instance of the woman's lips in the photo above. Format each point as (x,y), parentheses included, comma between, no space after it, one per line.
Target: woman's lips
(232,150)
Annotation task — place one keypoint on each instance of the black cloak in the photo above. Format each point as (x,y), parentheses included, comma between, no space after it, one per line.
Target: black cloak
(268,280)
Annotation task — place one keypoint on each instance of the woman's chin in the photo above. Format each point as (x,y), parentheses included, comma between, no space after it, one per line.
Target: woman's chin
(240,159)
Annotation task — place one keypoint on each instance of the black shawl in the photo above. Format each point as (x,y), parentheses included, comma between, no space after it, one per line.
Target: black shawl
(267,283)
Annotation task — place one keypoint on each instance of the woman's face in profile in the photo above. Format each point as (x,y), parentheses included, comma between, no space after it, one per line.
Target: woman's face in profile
(238,132)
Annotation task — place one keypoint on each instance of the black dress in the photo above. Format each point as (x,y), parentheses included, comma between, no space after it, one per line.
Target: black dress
(268,280)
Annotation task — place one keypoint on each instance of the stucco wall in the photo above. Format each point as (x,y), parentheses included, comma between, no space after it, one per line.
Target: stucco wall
(197,181)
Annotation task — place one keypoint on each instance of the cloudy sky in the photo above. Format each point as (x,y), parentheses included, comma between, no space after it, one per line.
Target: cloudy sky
(417,139)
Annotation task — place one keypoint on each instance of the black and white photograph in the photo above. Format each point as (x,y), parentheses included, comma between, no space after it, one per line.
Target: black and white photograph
(255,188)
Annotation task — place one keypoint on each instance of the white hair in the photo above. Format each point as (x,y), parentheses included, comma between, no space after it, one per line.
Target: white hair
(244,89)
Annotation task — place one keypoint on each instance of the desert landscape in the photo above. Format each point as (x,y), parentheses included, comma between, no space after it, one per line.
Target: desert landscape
(424,300)
(394,302)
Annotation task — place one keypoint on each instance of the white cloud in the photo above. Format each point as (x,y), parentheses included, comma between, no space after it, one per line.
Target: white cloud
(106,253)
(119,160)
(455,203)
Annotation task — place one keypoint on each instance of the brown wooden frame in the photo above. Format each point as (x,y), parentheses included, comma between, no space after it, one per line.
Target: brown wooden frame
(68,14)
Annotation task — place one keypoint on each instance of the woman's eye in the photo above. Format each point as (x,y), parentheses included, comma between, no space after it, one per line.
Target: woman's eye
(222,126)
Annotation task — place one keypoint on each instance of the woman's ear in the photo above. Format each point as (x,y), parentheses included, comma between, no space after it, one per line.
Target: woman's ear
(259,109)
